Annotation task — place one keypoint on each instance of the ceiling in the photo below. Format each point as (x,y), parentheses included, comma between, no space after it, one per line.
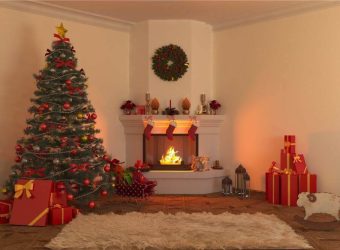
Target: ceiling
(215,13)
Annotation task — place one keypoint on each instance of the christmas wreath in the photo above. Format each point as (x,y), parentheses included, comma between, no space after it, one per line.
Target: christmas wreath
(170,62)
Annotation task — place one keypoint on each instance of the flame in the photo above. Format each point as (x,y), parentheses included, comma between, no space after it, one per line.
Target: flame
(171,158)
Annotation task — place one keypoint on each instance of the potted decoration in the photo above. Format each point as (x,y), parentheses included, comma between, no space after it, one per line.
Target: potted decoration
(186,106)
(154,106)
(127,107)
(214,106)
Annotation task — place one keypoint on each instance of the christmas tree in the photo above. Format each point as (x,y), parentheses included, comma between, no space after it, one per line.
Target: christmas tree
(60,142)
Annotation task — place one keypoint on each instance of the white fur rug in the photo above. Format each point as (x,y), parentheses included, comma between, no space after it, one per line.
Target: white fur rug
(180,231)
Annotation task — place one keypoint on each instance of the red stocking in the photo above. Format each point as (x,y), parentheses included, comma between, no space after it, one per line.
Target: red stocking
(170,130)
(147,130)
(192,131)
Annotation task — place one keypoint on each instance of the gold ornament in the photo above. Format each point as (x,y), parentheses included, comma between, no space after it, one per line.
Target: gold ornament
(155,103)
(186,104)
(4,190)
(61,30)
(80,116)
(84,138)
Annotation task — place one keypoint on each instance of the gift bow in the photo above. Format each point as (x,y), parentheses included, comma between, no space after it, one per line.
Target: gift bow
(274,169)
(288,171)
(19,189)
(61,40)
(297,159)
(60,63)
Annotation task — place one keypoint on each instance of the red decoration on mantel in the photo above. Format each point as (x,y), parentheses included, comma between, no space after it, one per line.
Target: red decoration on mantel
(170,130)
(148,129)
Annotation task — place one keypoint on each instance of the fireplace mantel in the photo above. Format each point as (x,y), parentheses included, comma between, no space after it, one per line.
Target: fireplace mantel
(134,124)
(209,128)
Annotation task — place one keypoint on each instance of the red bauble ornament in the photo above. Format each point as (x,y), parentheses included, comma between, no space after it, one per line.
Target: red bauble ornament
(63,139)
(107,168)
(18,148)
(74,152)
(86,182)
(92,204)
(45,105)
(59,126)
(93,116)
(42,127)
(106,158)
(104,192)
(68,82)
(90,137)
(66,105)
(60,187)
(69,197)
(18,159)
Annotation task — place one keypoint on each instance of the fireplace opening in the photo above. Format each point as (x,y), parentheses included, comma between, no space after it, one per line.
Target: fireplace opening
(160,153)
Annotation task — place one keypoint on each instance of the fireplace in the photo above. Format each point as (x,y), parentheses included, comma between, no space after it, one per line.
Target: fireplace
(163,154)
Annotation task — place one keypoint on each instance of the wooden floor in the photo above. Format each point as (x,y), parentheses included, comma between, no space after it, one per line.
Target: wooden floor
(321,232)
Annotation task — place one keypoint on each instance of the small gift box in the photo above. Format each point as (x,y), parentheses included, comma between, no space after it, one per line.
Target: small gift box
(31,202)
(60,215)
(273,187)
(289,189)
(5,210)
(299,164)
(307,183)
(289,143)
(286,160)
(140,109)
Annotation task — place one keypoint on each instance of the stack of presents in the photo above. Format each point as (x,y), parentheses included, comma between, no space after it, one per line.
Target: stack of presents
(285,182)
(37,203)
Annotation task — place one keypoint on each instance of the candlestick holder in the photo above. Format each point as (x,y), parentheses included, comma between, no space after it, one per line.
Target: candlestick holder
(148,104)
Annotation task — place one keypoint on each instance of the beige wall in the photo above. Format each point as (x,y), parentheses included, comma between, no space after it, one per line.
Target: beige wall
(103,53)
(282,77)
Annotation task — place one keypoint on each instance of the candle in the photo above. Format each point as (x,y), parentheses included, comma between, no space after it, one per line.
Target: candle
(170,103)
(147,96)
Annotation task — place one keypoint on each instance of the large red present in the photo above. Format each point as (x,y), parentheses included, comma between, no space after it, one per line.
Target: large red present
(31,202)
(307,183)
(60,215)
(299,164)
(5,210)
(289,189)
(289,143)
(286,160)
(273,188)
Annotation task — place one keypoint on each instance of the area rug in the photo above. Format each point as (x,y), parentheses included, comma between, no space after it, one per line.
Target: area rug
(178,231)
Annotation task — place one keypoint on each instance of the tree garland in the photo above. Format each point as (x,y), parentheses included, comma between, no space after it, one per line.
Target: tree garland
(170,62)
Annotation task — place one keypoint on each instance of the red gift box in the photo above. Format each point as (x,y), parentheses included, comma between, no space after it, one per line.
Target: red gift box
(286,160)
(273,188)
(299,164)
(289,189)
(60,215)
(31,202)
(140,110)
(75,212)
(307,183)
(289,143)
(5,210)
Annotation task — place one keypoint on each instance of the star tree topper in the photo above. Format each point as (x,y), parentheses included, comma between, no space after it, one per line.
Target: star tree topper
(61,30)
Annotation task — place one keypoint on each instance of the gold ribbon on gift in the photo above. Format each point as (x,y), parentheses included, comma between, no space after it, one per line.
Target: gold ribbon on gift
(62,212)
(308,183)
(36,219)
(288,183)
(288,144)
(288,171)
(297,158)
(19,189)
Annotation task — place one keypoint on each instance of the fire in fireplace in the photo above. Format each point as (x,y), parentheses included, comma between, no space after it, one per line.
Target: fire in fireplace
(160,153)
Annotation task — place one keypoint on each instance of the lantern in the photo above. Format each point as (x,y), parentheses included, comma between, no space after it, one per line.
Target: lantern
(227,186)
(242,182)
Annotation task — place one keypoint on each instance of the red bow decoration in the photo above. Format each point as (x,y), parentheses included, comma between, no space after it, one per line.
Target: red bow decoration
(48,52)
(39,172)
(61,40)
(60,63)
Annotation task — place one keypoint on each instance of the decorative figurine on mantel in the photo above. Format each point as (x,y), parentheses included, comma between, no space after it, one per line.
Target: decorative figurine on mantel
(154,106)
(170,111)
(217,165)
(186,106)
(202,109)
(147,105)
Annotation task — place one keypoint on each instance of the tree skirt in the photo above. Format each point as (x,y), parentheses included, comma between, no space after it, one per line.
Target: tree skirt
(178,231)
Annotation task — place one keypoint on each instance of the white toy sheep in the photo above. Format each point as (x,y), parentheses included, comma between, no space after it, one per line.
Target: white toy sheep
(319,203)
